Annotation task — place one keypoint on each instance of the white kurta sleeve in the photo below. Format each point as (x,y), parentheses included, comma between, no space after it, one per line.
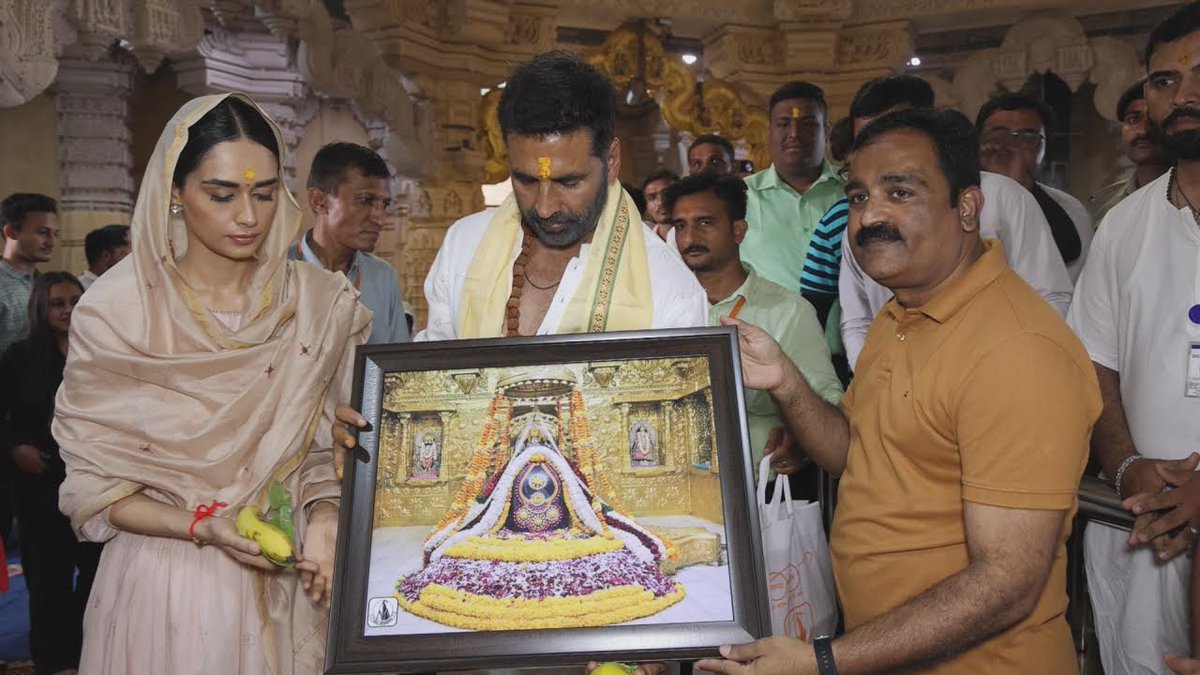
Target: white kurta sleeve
(1094,316)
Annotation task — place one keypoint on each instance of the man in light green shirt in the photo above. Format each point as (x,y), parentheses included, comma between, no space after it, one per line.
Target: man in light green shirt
(788,198)
(708,213)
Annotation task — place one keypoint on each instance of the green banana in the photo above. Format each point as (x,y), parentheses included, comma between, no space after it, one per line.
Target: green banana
(274,544)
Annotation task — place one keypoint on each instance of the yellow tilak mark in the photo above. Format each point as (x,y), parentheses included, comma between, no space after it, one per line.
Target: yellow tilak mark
(1185,58)
(543,168)
(249,174)
(795,113)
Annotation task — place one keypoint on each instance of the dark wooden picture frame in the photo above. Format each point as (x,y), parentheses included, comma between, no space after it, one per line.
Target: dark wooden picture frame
(351,650)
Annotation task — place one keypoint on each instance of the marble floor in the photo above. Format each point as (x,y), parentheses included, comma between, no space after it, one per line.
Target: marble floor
(396,551)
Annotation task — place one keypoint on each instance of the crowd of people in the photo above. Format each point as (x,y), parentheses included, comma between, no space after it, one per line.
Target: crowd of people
(921,317)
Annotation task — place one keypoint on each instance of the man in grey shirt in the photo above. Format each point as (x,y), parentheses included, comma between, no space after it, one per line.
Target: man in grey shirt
(30,226)
(348,192)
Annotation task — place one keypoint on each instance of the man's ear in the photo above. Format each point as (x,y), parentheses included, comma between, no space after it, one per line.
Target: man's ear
(970,207)
(739,230)
(614,161)
(317,200)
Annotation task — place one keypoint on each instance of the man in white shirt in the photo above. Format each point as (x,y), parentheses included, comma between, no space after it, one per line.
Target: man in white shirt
(539,263)
(1137,310)
(1012,142)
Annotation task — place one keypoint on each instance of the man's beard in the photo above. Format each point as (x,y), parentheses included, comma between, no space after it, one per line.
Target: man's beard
(1184,144)
(576,225)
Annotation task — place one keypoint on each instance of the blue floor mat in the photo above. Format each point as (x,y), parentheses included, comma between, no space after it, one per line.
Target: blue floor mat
(14,616)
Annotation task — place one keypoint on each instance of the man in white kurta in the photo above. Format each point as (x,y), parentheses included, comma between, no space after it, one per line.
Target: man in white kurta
(1009,214)
(1131,312)
(679,300)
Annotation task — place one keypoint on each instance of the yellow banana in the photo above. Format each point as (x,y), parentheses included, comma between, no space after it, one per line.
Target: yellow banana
(273,543)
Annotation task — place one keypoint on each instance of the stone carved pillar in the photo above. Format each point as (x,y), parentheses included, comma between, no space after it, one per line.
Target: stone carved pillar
(92,101)
(450,191)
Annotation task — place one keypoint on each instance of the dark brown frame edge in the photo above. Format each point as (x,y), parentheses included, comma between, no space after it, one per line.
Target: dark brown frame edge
(349,651)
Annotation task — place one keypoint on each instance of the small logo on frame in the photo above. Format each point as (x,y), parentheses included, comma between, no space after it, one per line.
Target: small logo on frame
(382,612)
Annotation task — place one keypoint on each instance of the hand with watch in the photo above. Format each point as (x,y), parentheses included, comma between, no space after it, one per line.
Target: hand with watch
(774,656)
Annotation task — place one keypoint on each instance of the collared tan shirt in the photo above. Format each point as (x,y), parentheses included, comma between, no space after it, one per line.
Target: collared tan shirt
(982,395)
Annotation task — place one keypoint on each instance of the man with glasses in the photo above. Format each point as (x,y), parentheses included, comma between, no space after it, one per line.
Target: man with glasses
(1012,142)
(349,195)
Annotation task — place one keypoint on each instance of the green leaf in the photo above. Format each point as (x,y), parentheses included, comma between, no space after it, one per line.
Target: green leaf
(281,509)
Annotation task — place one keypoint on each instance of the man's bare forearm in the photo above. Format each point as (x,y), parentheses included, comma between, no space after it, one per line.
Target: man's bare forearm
(947,619)
(818,427)
(1111,440)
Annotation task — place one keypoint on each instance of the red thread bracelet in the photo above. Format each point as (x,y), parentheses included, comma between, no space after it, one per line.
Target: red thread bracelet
(203,511)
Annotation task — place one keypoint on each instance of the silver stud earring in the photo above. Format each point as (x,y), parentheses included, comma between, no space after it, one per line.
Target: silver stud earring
(176,209)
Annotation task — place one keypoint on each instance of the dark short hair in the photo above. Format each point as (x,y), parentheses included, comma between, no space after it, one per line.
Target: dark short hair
(638,197)
(950,132)
(660,174)
(104,239)
(791,90)
(729,189)
(841,137)
(884,93)
(1135,92)
(1014,102)
(1183,22)
(17,206)
(229,120)
(332,161)
(713,139)
(559,93)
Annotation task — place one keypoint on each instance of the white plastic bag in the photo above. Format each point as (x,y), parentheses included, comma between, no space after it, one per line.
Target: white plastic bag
(799,573)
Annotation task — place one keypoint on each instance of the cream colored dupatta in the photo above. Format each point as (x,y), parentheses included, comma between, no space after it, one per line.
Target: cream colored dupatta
(158,396)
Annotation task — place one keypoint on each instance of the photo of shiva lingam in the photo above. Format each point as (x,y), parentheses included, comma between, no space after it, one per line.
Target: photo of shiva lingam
(538,534)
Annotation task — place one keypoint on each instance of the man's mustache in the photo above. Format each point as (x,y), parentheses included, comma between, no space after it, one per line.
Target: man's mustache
(869,233)
(1180,113)
(694,249)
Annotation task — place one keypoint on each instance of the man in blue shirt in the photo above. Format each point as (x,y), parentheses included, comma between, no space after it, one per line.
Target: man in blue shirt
(349,195)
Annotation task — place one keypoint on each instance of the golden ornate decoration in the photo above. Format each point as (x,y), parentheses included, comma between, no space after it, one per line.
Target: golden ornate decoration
(711,106)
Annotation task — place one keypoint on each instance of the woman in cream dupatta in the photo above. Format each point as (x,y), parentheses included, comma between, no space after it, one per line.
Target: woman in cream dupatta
(172,399)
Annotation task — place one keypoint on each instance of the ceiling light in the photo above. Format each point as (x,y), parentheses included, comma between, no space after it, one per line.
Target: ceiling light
(689,58)
(914,61)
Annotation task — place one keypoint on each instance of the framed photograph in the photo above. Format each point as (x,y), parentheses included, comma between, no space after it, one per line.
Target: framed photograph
(547,501)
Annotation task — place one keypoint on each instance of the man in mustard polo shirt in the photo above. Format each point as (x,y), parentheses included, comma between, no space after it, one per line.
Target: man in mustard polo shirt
(960,442)
(708,212)
(788,198)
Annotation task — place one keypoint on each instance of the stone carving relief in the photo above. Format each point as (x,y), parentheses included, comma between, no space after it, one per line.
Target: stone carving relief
(535,29)
(887,46)
(810,10)
(162,27)
(1048,42)
(340,62)
(28,59)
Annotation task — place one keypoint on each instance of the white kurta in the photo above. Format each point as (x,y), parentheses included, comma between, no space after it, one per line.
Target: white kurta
(1083,225)
(1010,214)
(679,300)
(1131,312)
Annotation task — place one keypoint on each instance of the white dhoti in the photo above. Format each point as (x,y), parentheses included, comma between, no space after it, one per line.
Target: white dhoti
(1141,607)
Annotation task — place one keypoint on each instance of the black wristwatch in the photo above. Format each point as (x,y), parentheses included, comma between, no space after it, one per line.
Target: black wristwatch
(823,646)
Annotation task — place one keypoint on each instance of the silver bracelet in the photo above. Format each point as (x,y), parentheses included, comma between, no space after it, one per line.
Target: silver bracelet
(1125,464)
